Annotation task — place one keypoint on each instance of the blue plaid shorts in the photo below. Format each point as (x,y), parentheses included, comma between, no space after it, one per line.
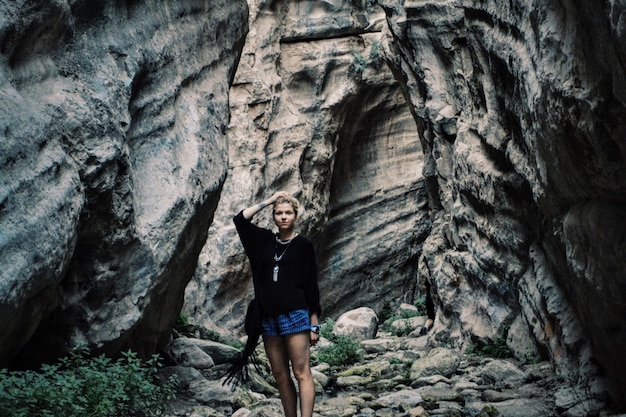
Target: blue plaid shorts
(293,322)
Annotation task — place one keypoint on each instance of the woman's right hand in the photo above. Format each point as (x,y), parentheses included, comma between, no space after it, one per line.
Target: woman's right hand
(252,210)
(278,194)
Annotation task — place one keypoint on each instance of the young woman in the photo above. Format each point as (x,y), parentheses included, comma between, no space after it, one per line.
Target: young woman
(284,272)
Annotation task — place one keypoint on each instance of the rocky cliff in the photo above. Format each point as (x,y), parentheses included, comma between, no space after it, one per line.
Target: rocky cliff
(316,111)
(523,114)
(475,148)
(112,157)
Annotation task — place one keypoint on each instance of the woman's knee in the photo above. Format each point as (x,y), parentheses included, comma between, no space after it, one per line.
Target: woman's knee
(303,374)
(281,375)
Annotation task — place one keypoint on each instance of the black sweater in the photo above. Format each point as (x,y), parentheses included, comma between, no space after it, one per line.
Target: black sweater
(296,287)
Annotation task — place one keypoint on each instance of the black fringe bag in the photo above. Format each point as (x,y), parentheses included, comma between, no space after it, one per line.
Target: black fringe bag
(238,372)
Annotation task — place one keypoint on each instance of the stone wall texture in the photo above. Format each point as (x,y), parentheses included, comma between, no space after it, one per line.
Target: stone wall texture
(112,157)
(316,111)
(471,148)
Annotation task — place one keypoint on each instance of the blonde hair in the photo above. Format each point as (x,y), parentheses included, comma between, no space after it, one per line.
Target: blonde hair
(289,199)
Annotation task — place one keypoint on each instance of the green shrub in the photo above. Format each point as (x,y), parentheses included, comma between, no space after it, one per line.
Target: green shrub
(420,303)
(402,330)
(376,58)
(407,314)
(494,349)
(326,329)
(359,64)
(387,317)
(344,351)
(81,387)
(183,320)
(385,313)
(497,349)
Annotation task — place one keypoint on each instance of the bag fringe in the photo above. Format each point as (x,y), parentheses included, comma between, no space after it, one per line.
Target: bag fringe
(239,373)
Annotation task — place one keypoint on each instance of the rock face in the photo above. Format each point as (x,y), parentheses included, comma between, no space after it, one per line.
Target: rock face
(112,157)
(317,112)
(475,149)
(522,109)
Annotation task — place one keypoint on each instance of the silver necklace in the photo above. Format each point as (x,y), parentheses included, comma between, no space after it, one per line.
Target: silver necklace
(278,258)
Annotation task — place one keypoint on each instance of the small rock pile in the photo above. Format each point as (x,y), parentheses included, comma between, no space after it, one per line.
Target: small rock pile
(401,376)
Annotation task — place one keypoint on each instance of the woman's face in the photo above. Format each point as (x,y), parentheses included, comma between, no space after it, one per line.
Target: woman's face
(284,216)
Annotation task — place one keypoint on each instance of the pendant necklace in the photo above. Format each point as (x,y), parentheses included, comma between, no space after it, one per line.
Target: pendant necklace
(278,258)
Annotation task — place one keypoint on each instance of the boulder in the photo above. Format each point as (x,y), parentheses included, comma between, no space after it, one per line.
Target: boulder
(439,361)
(220,352)
(526,407)
(361,323)
(501,373)
(266,408)
(379,345)
(406,310)
(405,399)
(186,353)
(408,325)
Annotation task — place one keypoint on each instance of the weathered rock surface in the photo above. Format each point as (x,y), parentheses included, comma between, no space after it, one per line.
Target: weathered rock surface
(479,142)
(384,384)
(360,323)
(473,148)
(112,156)
(311,114)
(524,120)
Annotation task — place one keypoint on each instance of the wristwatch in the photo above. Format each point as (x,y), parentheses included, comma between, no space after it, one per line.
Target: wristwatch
(315,328)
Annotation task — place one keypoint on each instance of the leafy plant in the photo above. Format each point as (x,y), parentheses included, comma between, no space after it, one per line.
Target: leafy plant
(359,63)
(497,348)
(78,386)
(386,312)
(388,317)
(183,320)
(407,314)
(376,58)
(326,329)
(344,351)
(420,303)
(402,330)
(530,358)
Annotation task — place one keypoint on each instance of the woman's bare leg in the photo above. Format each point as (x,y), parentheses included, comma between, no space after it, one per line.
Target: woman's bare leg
(298,347)
(276,350)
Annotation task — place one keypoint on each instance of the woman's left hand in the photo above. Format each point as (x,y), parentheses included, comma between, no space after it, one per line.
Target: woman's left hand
(314,338)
